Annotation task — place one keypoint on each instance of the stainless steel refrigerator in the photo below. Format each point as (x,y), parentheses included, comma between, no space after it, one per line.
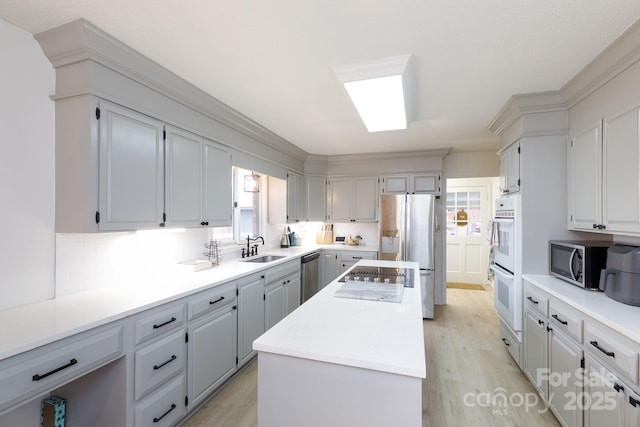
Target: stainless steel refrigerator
(406,233)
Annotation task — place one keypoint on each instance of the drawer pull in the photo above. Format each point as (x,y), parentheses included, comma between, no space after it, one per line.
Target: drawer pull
(173,319)
(608,353)
(157,419)
(504,340)
(617,387)
(555,316)
(356,257)
(156,367)
(540,322)
(532,300)
(38,377)
(633,401)
(216,301)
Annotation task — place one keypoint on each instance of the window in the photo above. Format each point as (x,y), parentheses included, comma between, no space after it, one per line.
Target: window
(463,213)
(246,206)
(246,211)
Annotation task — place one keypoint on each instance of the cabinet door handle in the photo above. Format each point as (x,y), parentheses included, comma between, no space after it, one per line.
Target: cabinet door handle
(160,325)
(617,387)
(156,367)
(555,316)
(633,401)
(532,300)
(540,322)
(608,353)
(38,377)
(157,419)
(504,340)
(216,301)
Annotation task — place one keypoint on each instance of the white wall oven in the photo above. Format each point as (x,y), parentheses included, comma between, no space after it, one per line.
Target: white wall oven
(507,265)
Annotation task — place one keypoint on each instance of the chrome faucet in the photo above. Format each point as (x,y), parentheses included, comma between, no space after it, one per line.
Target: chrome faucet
(251,250)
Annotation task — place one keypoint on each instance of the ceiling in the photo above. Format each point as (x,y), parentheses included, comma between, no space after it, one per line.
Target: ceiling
(273,60)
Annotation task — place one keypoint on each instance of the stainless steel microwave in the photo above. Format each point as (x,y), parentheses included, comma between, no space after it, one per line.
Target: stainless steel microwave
(578,262)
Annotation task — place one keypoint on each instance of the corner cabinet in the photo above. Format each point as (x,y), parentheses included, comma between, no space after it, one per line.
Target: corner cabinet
(131,169)
(352,199)
(510,168)
(604,176)
(315,198)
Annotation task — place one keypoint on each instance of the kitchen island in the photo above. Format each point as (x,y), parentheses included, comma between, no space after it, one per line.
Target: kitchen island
(344,362)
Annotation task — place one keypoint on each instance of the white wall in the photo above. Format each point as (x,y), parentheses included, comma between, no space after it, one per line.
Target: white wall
(26,170)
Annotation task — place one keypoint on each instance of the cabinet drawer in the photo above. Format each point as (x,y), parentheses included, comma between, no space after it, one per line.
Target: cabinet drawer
(158,322)
(566,319)
(511,343)
(537,300)
(211,300)
(355,256)
(164,407)
(614,349)
(63,363)
(159,361)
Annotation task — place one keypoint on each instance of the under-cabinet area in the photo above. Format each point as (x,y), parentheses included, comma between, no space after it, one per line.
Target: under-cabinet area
(142,358)
(581,352)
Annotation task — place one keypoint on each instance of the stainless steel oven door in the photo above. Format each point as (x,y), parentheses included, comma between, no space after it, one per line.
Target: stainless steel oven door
(507,298)
(504,252)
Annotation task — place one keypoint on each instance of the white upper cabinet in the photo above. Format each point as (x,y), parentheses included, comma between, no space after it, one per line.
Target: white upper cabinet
(398,184)
(183,177)
(621,186)
(315,198)
(428,183)
(353,199)
(510,168)
(198,181)
(131,191)
(584,179)
(217,191)
(604,173)
(295,197)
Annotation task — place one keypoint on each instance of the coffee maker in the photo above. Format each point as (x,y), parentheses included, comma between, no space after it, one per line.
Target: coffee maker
(621,279)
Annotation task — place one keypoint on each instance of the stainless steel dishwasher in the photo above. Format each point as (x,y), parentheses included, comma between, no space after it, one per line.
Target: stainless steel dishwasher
(309,275)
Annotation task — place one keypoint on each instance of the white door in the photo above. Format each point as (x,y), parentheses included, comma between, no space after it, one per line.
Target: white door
(468,210)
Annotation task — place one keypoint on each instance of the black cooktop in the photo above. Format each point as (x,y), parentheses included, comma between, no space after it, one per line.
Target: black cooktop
(380,275)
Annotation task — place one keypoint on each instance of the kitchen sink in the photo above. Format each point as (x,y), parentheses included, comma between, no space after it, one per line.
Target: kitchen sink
(265,258)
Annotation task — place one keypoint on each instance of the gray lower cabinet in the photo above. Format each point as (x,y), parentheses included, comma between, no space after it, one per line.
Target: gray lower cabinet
(328,267)
(281,292)
(212,345)
(251,315)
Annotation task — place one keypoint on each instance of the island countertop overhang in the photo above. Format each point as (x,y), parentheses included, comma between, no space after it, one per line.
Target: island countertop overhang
(381,336)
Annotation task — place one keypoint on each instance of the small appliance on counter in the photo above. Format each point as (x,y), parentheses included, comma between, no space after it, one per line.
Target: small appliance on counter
(621,279)
(578,262)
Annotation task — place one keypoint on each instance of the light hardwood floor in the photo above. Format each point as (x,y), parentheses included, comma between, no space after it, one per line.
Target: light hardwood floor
(468,370)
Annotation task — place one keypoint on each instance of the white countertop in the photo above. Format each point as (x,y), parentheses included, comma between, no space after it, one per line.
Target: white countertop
(616,315)
(381,336)
(30,326)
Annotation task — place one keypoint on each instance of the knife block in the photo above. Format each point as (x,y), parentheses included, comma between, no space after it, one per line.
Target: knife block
(324,237)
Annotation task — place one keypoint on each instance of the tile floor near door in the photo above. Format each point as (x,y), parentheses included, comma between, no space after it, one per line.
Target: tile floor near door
(471,380)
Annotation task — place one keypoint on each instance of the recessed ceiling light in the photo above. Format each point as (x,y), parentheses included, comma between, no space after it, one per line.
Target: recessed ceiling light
(380,91)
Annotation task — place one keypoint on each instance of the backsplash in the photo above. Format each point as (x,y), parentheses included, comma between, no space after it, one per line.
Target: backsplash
(98,260)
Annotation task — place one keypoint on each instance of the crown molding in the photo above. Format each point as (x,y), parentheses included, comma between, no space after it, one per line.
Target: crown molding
(370,157)
(524,104)
(616,58)
(80,40)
